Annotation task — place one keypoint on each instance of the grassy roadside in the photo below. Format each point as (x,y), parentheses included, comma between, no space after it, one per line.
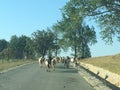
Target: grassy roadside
(111,63)
(10,64)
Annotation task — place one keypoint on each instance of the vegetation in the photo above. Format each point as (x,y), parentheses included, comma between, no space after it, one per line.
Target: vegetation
(74,32)
(69,32)
(45,42)
(42,43)
(105,12)
(6,65)
(111,63)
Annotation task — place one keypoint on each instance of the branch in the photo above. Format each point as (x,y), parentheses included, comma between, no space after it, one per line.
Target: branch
(97,13)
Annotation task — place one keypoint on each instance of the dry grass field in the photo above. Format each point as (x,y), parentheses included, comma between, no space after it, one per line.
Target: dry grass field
(7,65)
(111,63)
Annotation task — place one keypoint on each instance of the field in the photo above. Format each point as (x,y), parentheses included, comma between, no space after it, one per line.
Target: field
(6,65)
(111,63)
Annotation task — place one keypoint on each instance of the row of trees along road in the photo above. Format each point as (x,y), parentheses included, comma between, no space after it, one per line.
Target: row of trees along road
(41,43)
(69,32)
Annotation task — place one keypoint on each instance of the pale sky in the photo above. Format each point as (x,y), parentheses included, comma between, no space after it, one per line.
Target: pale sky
(23,17)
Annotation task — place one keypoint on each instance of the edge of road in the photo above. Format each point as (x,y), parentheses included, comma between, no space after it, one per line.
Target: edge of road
(12,68)
(110,79)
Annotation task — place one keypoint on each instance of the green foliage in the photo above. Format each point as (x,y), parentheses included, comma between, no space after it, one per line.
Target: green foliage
(69,32)
(20,47)
(44,42)
(105,12)
(29,49)
(23,47)
(73,33)
(14,46)
(3,44)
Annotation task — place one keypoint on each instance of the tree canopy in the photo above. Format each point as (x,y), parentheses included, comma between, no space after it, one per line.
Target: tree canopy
(74,33)
(105,12)
(69,32)
(44,42)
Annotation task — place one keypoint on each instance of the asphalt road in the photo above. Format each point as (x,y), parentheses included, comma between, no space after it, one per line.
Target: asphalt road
(31,77)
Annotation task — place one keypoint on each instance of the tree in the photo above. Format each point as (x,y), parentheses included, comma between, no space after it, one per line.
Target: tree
(14,47)
(74,34)
(87,37)
(44,42)
(39,42)
(57,48)
(52,43)
(25,49)
(4,54)
(21,46)
(105,12)
(29,49)
(3,44)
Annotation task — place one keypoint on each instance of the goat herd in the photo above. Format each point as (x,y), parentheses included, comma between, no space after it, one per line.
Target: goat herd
(51,62)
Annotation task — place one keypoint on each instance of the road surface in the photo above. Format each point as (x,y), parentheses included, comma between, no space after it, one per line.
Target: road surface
(31,77)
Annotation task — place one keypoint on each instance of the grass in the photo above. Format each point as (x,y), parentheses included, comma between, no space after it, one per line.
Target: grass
(111,63)
(6,65)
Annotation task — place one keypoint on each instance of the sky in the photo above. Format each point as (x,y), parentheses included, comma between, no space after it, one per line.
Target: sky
(23,17)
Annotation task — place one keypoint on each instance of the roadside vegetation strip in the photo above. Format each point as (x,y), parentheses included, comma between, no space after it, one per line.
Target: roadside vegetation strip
(4,66)
(110,63)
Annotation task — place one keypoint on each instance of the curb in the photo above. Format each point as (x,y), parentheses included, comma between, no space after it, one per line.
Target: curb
(105,75)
